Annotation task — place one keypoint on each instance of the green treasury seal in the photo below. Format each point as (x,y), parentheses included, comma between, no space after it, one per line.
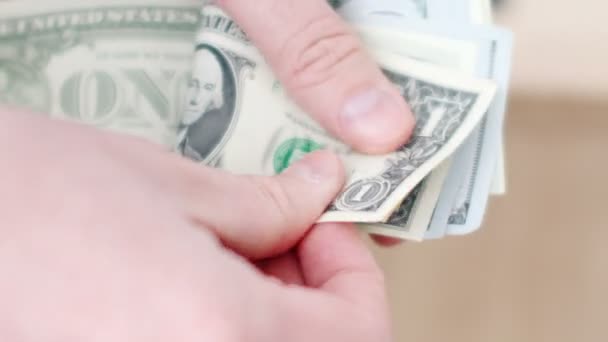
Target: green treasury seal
(291,151)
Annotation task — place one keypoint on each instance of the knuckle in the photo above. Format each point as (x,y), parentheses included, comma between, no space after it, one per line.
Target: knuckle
(314,55)
(275,199)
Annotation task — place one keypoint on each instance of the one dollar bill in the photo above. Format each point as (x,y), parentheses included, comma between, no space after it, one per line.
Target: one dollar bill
(238,117)
(121,65)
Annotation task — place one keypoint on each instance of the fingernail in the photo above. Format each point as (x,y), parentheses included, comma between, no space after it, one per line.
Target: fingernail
(316,167)
(377,119)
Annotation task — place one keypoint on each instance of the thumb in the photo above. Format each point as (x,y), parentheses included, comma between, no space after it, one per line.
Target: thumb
(323,65)
(261,217)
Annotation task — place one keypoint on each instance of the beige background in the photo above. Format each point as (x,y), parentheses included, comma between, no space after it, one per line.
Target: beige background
(561,46)
(538,271)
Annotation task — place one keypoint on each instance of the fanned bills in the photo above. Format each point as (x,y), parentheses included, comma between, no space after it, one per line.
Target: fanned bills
(468,44)
(239,118)
(190,80)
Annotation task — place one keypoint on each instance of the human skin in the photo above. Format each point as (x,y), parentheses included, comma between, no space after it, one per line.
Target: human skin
(325,68)
(114,239)
(109,238)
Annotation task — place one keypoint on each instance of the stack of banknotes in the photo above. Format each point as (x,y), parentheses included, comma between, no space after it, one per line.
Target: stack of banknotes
(190,79)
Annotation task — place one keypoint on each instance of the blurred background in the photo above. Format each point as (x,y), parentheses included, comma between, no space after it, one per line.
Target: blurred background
(538,270)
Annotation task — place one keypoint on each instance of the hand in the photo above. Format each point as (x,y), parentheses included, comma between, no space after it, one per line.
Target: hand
(325,69)
(108,238)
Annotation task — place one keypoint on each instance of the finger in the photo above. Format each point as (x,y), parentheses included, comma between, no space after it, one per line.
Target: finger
(285,267)
(386,241)
(334,258)
(322,64)
(349,302)
(261,217)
